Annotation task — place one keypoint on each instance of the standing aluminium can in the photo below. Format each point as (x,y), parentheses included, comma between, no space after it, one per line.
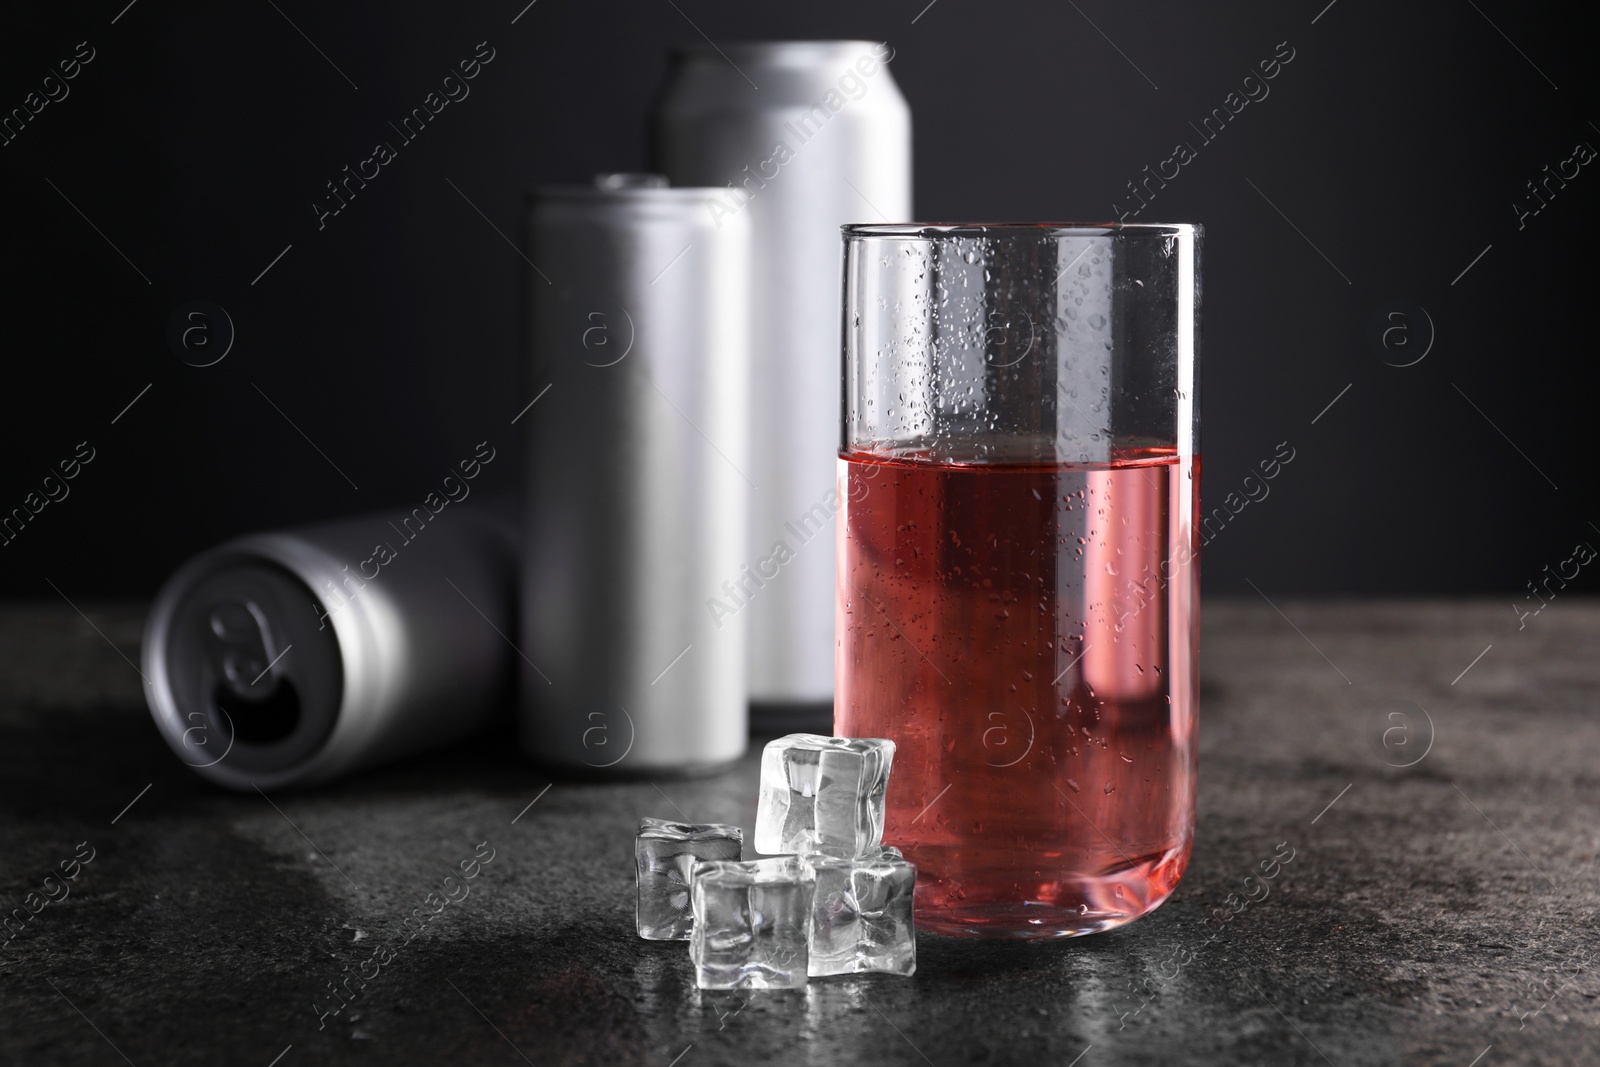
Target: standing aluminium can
(801,137)
(637,492)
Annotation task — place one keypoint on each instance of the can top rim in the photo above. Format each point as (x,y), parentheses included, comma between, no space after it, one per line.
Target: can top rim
(933,231)
(627,193)
(771,51)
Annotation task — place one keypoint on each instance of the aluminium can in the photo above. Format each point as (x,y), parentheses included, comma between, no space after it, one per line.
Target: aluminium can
(294,657)
(637,311)
(801,137)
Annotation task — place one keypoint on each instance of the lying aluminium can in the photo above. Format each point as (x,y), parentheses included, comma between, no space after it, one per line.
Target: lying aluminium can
(294,657)
(801,137)
(636,493)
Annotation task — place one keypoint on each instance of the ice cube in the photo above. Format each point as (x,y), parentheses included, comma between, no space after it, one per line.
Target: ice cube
(665,852)
(751,923)
(822,794)
(861,914)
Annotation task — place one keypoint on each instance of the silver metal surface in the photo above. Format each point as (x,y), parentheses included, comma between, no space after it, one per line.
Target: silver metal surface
(288,658)
(800,137)
(637,318)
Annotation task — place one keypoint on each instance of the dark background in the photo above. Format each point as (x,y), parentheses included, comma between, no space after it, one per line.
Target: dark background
(197,139)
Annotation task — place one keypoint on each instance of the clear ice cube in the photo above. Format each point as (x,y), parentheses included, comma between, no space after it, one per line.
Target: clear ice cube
(861,914)
(665,854)
(751,923)
(822,794)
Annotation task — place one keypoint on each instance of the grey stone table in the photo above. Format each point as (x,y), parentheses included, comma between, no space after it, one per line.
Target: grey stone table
(1441,912)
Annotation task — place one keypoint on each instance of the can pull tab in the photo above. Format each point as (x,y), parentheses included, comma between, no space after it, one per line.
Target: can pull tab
(243,651)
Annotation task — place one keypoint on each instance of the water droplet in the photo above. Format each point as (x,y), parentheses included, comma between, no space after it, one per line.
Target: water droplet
(1097,321)
(1072,785)
(1110,787)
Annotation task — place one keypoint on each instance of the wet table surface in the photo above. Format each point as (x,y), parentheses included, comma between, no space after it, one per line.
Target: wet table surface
(1436,912)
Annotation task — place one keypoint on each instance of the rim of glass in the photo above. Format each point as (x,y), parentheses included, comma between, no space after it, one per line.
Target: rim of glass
(936,230)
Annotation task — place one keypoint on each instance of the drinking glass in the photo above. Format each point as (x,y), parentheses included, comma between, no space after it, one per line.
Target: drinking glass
(1018,573)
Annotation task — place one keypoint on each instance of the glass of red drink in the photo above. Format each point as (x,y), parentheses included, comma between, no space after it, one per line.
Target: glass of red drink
(1018,572)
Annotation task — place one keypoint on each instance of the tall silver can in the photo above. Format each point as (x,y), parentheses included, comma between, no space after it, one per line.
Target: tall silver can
(299,656)
(637,306)
(800,137)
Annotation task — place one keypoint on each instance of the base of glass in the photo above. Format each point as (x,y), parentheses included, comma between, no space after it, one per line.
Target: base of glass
(1069,907)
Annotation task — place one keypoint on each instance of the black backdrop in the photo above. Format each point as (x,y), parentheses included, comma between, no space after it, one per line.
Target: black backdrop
(1391,152)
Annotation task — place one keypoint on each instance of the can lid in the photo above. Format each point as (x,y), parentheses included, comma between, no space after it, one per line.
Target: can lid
(246,684)
(642,189)
(776,53)
(630,180)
